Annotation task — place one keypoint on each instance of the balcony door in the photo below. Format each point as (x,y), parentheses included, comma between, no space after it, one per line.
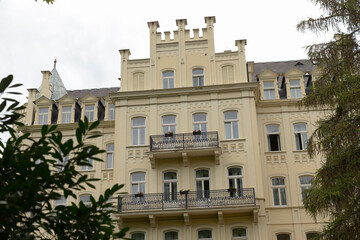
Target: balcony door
(202,184)
(170,186)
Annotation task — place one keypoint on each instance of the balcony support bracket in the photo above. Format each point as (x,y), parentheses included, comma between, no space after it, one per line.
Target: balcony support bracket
(152,221)
(152,160)
(256,215)
(217,157)
(221,218)
(185,159)
(186,219)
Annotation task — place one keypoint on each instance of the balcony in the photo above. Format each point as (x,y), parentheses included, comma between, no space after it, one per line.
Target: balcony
(192,200)
(184,145)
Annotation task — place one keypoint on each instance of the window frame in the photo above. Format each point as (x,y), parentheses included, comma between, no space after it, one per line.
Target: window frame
(239,238)
(141,184)
(43,117)
(297,89)
(86,203)
(138,232)
(278,234)
(169,80)
(111,111)
(171,231)
(304,186)
(203,192)
(139,140)
(199,125)
(173,183)
(301,137)
(171,127)
(270,90)
(198,78)
(235,180)
(269,135)
(66,115)
(232,122)
(202,238)
(279,187)
(88,168)
(110,153)
(89,113)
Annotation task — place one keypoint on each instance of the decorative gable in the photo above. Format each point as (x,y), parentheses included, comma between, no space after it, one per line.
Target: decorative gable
(268,74)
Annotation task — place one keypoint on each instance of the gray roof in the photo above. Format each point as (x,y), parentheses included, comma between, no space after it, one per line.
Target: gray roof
(57,87)
(304,65)
(97,92)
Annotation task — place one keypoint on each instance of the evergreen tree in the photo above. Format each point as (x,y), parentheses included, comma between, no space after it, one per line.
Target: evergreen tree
(336,187)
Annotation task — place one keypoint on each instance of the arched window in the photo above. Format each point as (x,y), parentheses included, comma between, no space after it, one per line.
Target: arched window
(198,77)
(311,235)
(138,81)
(235,181)
(301,139)
(228,74)
(168,79)
(305,183)
(171,236)
(279,191)
(170,186)
(169,124)
(204,235)
(273,138)
(138,182)
(202,183)
(239,234)
(110,156)
(231,124)
(200,121)
(61,201)
(138,236)
(138,131)
(85,198)
(283,236)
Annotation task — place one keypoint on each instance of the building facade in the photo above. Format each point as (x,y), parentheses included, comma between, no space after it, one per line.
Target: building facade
(209,146)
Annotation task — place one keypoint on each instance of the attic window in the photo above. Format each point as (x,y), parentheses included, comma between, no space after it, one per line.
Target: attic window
(269,90)
(43,116)
(90,112)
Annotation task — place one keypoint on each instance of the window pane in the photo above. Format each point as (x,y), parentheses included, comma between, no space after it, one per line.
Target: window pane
(300,127)
(138,236)
(171,236)
(283,237)
(85,198)
(283,196)
(135,136)
(168,119)
(169,175)
(239,232)
(61,201)
(272,128)
(235,129)
(202,173)
(140,121)
(278,181)
(306,179)
(268,84)
(276,197)
(312,235)
(230,115)
(198,72)
(235,171)
(200,117)
(89,107)
(228,130)
(142,136)
(204,234)
(168,74)
(294,83)
(138,177)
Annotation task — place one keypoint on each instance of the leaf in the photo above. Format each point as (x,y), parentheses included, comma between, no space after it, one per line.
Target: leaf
(2,106)
(5,82)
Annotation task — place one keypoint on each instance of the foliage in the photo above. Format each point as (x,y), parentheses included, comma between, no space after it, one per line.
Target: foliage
(34,173)
(336,187)
(48,1)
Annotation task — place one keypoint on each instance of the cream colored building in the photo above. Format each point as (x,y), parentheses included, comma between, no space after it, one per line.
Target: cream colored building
(240,177)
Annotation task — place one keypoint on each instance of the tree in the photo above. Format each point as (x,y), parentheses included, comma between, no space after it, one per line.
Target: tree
(336,187)
(35,172)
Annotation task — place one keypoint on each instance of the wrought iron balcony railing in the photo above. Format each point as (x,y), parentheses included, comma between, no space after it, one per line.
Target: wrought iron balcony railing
(184,141)
(189,200)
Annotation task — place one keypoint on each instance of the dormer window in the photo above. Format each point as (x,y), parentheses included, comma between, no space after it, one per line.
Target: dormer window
(198,77)
(66,114)
(295,89)
(111,111)
(90,112)
(43,116)
(269,90)
(168,79)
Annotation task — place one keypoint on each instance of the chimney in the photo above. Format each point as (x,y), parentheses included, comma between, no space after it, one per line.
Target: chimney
(45,85)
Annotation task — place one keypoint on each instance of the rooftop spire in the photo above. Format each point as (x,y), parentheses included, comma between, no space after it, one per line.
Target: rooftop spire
(55,63)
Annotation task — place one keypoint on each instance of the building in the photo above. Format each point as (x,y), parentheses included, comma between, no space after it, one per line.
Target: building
(209,146)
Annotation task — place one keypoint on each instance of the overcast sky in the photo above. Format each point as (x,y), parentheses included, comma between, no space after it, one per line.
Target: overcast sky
(85,35)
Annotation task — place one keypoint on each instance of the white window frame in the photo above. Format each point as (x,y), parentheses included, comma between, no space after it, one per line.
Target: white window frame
(304,186)
(140,185)
(197,77)
(295,90)
(168,79)
(86,203)
(200,124)
(43,116)
(279,190)
(270,132)
(110,156)
(269,91)
(170,126)
(111,111)
(204,238)
(88,168)
(239,238)
(301,138)
(90,113)
(235,181)
(137,130)
(66,114)
(177,233)
(132,235)
(232,124)
(171,194)
(203,192)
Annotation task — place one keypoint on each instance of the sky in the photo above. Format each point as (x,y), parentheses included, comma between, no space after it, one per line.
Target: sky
(85,35)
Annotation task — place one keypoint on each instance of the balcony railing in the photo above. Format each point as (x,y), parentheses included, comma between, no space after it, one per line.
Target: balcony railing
(184,141)
(189,200)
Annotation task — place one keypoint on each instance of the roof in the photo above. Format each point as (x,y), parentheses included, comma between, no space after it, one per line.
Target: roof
(57,87)
(97,92)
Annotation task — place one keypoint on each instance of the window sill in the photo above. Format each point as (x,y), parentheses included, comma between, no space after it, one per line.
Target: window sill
(233,140)
(300,151)
(107,169)
(275,152)
(137,146)
(87,171)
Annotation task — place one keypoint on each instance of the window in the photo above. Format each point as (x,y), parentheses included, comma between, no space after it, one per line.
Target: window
(168,79)
(228,74)
(311,235)
(305,183)
(110,156)
(283,236)
(60,201)
(66,114)
(171,236)
(295,89)
(169,124)
(90,167)
(138,182)
(269,90)
(138,236)
(111,112)
(43,116)
(231,125)
(138,81)
(273,137)
(63,162)
(202,184)
(138,131)
(235,181)
(200,122)
(85,198)
(279,192)
(205,234)
(198,77)
(90,112)
(170,186)
(239,234)
(300,136)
